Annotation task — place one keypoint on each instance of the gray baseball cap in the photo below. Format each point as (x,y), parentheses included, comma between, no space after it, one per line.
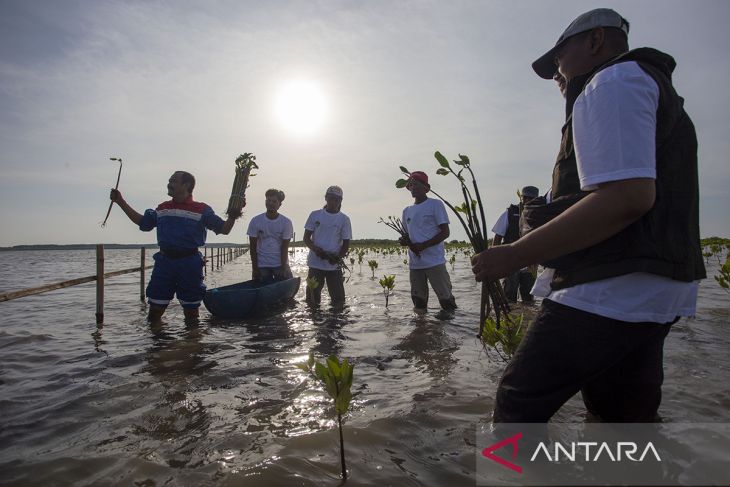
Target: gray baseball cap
(600,17)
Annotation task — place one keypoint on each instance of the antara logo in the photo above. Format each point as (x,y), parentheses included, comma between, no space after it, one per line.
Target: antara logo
(588,451)
(512,440)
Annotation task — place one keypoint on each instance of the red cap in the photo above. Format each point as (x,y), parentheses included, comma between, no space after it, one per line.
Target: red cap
(420,176)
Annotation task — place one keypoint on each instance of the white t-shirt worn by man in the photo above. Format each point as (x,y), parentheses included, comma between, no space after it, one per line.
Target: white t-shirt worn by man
(423,221)
(328,232)
(270,235)
(614,131)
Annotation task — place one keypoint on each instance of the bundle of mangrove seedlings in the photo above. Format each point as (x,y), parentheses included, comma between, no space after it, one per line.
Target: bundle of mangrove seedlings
(397,224)
(245,163)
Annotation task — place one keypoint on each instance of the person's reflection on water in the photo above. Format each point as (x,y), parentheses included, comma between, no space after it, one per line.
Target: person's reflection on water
(328,324)
(428,345)
(178,419)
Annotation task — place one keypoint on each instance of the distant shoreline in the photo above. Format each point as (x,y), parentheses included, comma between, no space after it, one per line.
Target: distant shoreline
(155,246)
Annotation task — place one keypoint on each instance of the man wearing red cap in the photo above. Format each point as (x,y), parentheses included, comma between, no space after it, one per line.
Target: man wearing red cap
(619,240)
(428,226)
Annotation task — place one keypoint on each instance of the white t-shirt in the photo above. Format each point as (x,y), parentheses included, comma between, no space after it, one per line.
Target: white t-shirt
(614,132)
(423,222)
(500,227)
(270,234)
(328,232)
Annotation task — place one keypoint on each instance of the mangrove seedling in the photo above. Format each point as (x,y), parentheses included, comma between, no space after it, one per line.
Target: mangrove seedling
(506,338)
(336,377)
(373,265)
(723,277)
(452,261)
(360,255)
(387,283)
(397,224)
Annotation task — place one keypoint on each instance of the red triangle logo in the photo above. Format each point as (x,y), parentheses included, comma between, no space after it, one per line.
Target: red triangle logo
(512,440)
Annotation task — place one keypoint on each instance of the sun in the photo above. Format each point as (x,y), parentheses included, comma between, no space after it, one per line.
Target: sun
(301,106)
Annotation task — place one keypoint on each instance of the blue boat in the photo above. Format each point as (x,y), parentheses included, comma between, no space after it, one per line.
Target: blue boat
(250,298)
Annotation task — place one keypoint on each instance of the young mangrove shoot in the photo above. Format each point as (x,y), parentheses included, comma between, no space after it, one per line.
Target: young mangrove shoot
(373,266)
(336,377)
(506,338)
(387,283)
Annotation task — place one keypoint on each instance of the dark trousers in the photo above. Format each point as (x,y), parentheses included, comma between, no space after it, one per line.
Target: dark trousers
(618,367)
(335,286)
(523,281)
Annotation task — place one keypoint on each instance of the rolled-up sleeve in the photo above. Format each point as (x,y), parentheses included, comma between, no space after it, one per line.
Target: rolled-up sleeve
(149,220)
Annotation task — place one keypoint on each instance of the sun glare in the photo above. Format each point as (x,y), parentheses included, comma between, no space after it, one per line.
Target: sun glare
(301,107)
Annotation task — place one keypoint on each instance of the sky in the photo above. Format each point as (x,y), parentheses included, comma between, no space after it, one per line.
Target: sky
(190,85)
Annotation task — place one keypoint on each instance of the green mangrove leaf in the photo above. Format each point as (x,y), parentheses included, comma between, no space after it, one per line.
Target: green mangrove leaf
(441,159)
(401,183)
(443,172)
(303,367)
(334,365)
(342,403)
(320,371)
(464,159)
(490,334)
(347,374)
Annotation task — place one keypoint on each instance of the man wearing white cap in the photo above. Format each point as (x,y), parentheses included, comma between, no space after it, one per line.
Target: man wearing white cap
(327,233)
(622,258)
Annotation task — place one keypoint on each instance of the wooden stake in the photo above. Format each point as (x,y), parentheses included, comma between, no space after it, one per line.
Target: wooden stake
(99,284)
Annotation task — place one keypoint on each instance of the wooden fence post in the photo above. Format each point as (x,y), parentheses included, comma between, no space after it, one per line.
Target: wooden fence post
(99,284)
(141,274)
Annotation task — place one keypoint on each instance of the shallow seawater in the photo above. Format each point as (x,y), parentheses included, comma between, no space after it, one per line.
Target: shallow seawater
(222,403)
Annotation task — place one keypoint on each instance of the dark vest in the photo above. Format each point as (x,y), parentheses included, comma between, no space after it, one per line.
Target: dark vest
(513,224)
(665,241)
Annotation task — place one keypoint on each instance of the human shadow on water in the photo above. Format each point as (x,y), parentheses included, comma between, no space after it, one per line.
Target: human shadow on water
(429,345)
(328,325)
(171,427)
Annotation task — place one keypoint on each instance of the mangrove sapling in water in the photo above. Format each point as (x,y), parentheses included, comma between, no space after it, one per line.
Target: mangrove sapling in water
(471,216)
(387,283)
(719,248)
(723,278)
(373,265)
(336,377)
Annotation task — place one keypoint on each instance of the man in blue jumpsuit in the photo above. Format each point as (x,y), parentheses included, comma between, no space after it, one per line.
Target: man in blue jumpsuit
(181,228)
